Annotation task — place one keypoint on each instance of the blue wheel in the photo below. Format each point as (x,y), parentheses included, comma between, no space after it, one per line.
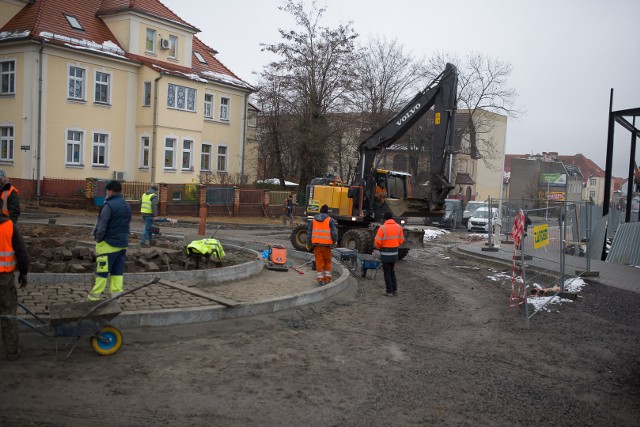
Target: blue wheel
(107,342)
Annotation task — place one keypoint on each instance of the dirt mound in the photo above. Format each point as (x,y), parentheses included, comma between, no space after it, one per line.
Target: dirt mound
(69,249)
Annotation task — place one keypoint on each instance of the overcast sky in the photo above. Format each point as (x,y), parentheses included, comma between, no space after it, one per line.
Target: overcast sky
(566,55)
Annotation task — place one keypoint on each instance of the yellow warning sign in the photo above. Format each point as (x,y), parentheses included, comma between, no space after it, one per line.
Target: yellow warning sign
(437,119)
(540,236)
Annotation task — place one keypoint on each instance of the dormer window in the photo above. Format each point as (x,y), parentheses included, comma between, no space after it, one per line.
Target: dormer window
(73,21)
(199,57)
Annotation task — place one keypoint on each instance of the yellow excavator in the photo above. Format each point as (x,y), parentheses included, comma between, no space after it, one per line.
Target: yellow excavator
(355,207)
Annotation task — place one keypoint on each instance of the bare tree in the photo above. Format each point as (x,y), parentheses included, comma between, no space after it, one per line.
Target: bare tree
(316,69)
(482,86)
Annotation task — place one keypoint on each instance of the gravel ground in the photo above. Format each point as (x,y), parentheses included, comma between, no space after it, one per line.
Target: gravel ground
(447,350)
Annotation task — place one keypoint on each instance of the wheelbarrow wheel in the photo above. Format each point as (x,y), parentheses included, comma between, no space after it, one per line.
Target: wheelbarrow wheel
(107,342)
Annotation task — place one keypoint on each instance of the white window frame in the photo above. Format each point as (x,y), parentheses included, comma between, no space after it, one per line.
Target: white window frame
(102,83)
(7,142)
(173,47)
(150,40)
(174,95)
(169,150)
(592,195)
(8,77)
(73,143)
(100,145)
(222,158)
(592,182)
(225,108)
(187,154)
(82,80)
(146,94)
(205,157)
(208,106)
(145,148)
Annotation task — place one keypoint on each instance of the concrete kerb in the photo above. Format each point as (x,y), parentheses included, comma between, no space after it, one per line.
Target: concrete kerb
(138,319)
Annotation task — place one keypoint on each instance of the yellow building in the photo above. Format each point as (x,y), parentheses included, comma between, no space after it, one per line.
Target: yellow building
(113,89)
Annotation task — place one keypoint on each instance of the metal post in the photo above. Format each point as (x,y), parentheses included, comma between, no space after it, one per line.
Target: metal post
(563,243)
(524,282)
(588,235)
(608,161)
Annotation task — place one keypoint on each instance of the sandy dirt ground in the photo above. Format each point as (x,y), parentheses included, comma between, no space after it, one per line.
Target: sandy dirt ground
(448,350)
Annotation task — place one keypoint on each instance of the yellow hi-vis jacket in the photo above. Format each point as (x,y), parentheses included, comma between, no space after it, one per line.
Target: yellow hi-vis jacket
(146,207)
(207,247)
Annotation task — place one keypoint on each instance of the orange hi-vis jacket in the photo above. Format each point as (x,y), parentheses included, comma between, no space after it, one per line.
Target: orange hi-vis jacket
(321,232)
(5,198)
(7,254)
(389,235)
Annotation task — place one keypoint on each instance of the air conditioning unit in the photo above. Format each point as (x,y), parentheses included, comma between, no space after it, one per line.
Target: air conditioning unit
(164,44)
(118,175)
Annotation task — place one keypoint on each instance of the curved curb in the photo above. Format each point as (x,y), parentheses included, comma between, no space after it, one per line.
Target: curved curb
(210,275)
(138,319)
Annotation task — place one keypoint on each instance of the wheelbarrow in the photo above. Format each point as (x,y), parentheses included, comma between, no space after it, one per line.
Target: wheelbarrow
(83,319)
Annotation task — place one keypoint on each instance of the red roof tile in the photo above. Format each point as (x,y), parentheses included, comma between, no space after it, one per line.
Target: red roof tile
(46,20)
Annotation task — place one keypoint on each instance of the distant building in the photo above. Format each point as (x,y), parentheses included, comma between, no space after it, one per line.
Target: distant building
(116,89)
(584,179)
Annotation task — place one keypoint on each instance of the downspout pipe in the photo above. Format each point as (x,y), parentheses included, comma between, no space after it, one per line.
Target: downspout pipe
(39,141)
(155,128)
(243,137)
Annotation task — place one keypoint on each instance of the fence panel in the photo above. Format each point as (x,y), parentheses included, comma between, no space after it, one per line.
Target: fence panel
(133,190)
(252,202)
(219,201)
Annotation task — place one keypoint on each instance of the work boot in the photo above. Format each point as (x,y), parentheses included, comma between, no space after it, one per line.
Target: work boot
(320,282)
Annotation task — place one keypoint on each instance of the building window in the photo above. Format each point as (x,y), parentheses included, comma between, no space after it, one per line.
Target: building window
(224,108)
(222,159)
(592,182)
(592,195)
(150,43)
(73,147)
(100,150)
(208,106)
(463,166)
(73,21)
(76,83)
(6,143)
(205,158)
(187,154)
(199,57)
(173,47)
(8,77)
(169,153)
(144,152)
(146,94)
(182,98)
(103,88)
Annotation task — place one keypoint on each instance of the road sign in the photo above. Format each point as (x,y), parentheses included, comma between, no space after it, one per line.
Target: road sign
(540,236)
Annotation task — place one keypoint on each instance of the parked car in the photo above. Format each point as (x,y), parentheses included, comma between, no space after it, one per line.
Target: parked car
(452,215)
(479,221)
(470,208)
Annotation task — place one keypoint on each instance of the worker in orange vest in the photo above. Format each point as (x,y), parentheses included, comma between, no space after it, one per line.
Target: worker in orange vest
(388,239)
(323,233)
(10,198)
(14,255)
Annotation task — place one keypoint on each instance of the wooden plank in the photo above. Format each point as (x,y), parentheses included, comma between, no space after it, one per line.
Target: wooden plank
(220,300)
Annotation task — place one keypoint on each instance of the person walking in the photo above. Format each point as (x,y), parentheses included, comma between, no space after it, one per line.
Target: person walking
(287,208)
(388,239)
(323,233)
(13,253)
(10,198)
(149,210)
(112,239)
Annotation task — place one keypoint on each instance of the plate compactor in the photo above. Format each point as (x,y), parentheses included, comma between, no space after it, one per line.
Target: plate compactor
(277,259)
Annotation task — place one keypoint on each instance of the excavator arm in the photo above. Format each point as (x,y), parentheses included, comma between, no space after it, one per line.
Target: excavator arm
(441,94)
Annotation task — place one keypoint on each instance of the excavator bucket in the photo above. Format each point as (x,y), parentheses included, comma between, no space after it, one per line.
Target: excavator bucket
(413,208)
(413,237)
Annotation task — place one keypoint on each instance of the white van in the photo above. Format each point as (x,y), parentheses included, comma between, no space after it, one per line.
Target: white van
(479,221)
